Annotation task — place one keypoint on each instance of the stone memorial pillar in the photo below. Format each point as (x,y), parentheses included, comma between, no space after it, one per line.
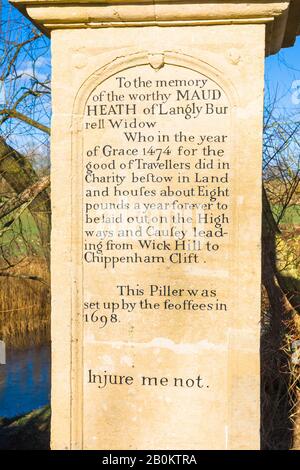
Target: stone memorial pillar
(156,199)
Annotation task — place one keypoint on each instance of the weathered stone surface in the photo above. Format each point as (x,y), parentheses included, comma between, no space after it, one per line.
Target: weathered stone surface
(222,347)
(282,18)
(156,202)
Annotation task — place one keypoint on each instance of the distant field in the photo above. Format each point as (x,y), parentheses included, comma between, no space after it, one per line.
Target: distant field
(291,215)
(21,238)
(24,303)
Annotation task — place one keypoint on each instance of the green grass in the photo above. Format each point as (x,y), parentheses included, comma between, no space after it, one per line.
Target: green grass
(22,236)
(28,432)
(291,215)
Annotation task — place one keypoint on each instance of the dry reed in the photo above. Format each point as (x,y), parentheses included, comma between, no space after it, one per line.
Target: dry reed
(25,305)
(280,385)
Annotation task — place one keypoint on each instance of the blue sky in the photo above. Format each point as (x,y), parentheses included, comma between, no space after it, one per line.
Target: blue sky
(282,77)
(281,71)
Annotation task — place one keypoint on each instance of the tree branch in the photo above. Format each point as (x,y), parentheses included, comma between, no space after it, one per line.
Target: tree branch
(25,197)
(25,276)
(12,113)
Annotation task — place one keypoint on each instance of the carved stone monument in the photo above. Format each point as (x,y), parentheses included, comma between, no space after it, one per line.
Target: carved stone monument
(156,200)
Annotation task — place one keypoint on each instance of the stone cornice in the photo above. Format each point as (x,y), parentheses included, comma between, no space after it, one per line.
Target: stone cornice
(281,17)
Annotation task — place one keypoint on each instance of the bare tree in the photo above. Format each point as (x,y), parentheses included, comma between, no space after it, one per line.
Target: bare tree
(24,139)
(25,81)
(280,249)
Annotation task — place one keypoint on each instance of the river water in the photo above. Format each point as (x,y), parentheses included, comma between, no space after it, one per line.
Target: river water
(24,381)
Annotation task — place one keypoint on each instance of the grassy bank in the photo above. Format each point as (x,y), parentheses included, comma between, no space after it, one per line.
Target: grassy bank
(28,432)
